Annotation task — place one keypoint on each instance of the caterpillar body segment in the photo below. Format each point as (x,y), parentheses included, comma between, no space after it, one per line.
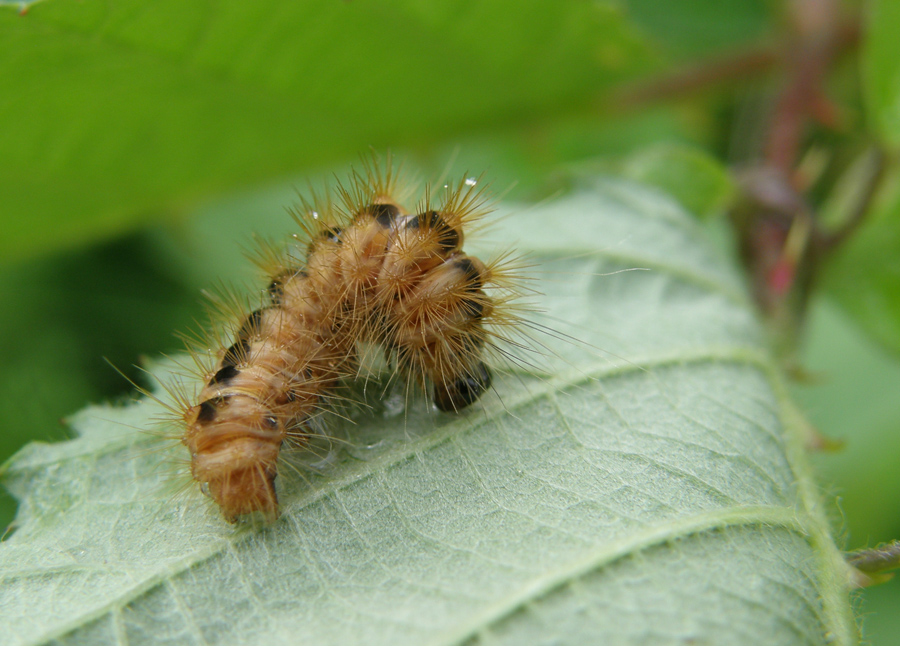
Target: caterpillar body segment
(268,385)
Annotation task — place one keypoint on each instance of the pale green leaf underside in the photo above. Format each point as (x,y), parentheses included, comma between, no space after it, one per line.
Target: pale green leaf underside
(649,492)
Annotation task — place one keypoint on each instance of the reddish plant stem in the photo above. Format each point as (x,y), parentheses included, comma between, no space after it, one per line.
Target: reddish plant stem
(782,239)
(813,48)
(734,68)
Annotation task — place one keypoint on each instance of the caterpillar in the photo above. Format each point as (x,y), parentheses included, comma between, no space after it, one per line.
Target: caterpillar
(364,270)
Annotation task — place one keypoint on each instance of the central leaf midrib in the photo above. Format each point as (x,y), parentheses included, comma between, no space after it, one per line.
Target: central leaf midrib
(637,262)
(738,355)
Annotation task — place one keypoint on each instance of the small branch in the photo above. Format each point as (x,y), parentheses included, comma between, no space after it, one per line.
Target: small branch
(734,68)
(874,564)
(874,560)
(813,38)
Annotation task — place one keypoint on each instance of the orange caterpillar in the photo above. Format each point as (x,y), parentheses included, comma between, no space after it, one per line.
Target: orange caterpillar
(367,271)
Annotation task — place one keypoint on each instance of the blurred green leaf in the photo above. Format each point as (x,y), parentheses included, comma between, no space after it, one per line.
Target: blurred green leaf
(864,275)
(694,177)
(654,490)
(853,398)
(881,68)
(62,316)
(113,115)
(697,28)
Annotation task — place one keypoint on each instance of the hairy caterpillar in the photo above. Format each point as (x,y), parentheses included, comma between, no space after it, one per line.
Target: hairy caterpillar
(365,270)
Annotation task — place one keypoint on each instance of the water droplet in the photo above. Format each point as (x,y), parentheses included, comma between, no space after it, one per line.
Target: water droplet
(471,181)
(366,452)
(78,552)
(315,215)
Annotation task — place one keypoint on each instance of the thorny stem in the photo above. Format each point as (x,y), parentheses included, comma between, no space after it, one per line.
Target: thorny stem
(811,51)
(782,240)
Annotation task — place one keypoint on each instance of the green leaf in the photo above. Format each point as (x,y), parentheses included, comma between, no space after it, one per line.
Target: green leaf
(854,400)
(113,114)
(694,177)
(654,491)
(864,274)
(881,69)
(697,28)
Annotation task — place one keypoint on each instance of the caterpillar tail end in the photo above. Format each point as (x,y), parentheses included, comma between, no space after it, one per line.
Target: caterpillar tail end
(245,492)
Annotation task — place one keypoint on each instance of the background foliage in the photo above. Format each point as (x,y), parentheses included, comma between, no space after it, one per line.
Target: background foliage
(134,137)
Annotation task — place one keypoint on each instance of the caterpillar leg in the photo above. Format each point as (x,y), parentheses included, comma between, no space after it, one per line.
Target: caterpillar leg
(437,330)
